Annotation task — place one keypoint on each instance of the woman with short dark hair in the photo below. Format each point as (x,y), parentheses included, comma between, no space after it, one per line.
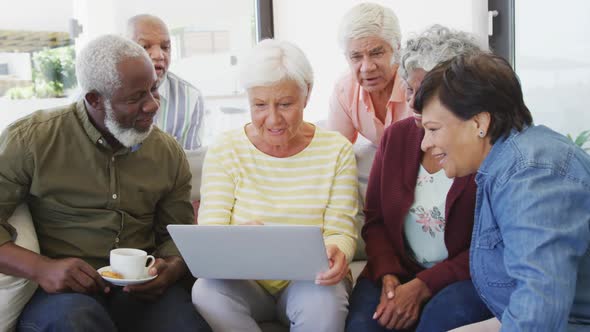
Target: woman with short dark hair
(529,257)
(418,222)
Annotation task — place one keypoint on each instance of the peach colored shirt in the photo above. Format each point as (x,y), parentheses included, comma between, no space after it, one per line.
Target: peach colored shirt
(352,111)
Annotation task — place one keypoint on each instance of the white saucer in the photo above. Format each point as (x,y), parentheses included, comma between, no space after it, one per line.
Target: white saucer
(123,282)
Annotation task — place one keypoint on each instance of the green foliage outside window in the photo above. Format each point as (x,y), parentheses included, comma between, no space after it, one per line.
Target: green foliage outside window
(53,72)
(25,92)
(581,140)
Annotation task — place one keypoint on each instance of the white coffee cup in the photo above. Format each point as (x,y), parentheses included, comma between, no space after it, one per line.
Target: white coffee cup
(131,263)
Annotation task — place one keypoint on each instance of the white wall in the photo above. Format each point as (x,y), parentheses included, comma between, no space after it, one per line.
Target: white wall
(36,15)
(212,73)
(95,17)
(110,16)
(312,25)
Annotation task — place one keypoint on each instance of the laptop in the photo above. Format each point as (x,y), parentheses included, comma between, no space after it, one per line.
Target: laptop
(259,252)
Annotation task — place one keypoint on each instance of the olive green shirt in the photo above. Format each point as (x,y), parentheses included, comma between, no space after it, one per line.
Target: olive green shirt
(86,198)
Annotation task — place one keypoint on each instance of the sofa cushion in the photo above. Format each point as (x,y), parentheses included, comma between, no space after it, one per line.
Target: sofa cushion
(195,160)
(364,151)
(196,205)
(16,292)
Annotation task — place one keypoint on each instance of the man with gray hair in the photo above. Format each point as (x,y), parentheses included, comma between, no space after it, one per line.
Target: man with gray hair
(97,175)
(181,104)
(371,96)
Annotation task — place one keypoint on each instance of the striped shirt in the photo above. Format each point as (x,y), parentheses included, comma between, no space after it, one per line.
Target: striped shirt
(317,186)
(181,111)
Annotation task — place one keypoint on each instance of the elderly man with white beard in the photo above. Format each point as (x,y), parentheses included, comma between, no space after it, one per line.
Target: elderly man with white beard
(97,175)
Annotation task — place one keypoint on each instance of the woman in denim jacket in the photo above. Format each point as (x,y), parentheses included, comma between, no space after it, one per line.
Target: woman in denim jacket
(418,222)
(529,256)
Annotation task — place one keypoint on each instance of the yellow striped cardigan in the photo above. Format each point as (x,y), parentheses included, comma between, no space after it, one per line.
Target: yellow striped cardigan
(317,186)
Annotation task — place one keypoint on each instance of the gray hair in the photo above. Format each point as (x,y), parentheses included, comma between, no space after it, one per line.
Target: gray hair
(142,18)
(272,61)
(96,65)
(433,46)
(371,20)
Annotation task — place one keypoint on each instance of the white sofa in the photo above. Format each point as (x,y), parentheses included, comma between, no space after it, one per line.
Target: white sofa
(15,292)
(364,152)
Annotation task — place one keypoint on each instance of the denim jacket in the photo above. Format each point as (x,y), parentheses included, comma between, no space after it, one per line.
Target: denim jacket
(530,256)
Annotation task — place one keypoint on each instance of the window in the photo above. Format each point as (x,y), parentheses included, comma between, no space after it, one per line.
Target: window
(550,54)
(200,42)
(208,42)
(36,58)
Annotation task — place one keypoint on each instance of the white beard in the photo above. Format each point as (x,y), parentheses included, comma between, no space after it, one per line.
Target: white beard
(128,137)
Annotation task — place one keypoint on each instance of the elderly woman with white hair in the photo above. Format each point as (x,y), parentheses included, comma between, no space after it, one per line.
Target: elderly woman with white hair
(280,170)
(371,97)
(418,222)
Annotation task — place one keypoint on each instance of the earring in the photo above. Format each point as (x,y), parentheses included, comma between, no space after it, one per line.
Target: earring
(481,133)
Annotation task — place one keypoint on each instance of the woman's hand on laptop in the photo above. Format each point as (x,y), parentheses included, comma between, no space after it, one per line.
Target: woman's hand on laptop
(338,267)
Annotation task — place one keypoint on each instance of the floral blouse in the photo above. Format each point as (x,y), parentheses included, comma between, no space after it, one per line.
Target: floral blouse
(424,226)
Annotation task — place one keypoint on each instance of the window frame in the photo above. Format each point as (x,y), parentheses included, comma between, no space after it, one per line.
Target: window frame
(264,20)
(502,40)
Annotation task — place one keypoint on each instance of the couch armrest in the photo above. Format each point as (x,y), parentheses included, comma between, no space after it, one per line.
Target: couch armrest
(16,292)
(356,267)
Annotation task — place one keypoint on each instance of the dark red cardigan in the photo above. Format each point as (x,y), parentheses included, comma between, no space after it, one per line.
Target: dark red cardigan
(390,194)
